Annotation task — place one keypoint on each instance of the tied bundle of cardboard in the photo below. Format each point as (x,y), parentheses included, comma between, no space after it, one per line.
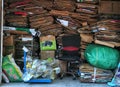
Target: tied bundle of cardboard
(87,36)
(108,33)
(92,74)
(88,9)
(65,5)
(14,15)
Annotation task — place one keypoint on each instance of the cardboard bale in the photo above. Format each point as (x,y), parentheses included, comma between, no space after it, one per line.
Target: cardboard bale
(91,74)
(87,11)
(40,20)
(20,22)
(69,22)
(67,5)
(108,33)
(48,4)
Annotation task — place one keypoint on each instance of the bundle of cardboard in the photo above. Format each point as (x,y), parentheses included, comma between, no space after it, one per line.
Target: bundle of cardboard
(15,15)
(86,37)
(89,10)
(16,20)
(108,33)
(66,5)
(40,20)
(53,29)
(92,74)
(47,4)
(65,19)
(85,40)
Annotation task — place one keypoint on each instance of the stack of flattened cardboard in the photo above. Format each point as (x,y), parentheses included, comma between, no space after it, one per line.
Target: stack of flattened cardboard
(108,33)
(69,22)
(65,19)
(53,29)
(47,4)
(14,13)
(16,20)
(66,5)
(44,23)
(88,10)
(86,38)
(40,20)
(92,74)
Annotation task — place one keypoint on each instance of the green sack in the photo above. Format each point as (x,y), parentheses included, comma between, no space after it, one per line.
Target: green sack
(48,43)
(11,69)
(102,56)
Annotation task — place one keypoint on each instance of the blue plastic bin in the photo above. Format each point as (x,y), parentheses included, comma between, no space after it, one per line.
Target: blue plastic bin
(42,80)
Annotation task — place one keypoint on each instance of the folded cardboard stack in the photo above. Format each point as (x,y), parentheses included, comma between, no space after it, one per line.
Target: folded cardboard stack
(86,37)
(40,20)
(53,29)
(65,19)
(69,22)
(108,33)
(16,20)
(47,4)
(92,74)
(66,5)
(15,15)
(85,40)
(88,9)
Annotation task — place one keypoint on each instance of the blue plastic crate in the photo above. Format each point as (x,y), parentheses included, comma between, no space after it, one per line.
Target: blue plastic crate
(42,80)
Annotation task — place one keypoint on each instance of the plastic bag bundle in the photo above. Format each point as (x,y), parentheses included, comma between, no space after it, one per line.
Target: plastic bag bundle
(102,56)
(12,71)
(36,69)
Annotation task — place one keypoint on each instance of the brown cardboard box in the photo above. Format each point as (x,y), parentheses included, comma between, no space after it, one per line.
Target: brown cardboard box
(8,41)
(87,74)
(109,7)
(47,54)
(86,38)
(8,45)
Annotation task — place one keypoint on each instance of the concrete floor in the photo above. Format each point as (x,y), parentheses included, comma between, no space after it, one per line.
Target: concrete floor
(65,82)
